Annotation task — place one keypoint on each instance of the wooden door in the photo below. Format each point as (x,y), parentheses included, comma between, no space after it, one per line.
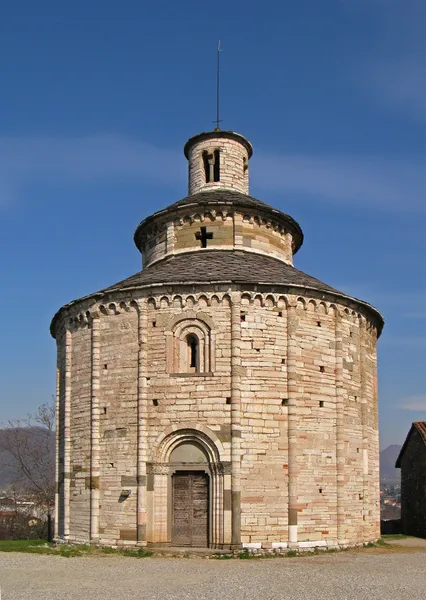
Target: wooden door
(190,509)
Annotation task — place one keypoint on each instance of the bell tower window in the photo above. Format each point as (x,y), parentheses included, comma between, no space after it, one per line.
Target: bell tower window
(211,165)
(206,166)
(216,166)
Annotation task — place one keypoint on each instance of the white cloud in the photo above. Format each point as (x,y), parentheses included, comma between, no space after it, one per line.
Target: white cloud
(385,184)
(414,403)
(82,158)
(373,182)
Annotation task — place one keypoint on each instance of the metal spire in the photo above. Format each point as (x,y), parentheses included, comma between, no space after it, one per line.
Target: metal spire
(218,120)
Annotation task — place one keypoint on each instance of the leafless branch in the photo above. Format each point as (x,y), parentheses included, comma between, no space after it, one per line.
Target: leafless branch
(28,449)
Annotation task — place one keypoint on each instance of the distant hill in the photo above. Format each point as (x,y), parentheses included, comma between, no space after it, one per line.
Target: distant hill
(6,473)
(388,473)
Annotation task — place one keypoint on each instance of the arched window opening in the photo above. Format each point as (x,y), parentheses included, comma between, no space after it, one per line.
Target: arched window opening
(216,166)
(206,166)
(189,346)
(193,352)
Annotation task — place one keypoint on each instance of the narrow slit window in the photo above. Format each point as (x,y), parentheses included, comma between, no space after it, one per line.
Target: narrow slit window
(206,166)
(216,167)
(193,353)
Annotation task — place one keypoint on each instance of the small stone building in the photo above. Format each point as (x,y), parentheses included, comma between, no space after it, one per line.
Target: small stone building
(412,462)
(219,397)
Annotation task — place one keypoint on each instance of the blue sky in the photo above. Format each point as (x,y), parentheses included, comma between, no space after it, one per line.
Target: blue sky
(98,99)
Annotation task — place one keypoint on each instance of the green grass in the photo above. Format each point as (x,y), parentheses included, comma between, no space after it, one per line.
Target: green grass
(394,536)
(65,550)
(139,553)
(247,555)
(32,546)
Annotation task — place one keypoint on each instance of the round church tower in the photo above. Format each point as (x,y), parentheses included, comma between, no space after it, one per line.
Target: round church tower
(219,397)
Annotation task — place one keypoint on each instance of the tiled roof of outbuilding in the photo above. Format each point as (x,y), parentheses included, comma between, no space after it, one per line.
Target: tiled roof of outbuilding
(225,266)
(420,427)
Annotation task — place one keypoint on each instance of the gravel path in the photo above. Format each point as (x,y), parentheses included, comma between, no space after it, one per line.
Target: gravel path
(345,576)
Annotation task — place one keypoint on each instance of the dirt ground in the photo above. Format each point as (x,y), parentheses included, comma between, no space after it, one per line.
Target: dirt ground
(376,573)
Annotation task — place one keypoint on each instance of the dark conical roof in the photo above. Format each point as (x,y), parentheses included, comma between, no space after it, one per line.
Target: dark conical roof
(225,266)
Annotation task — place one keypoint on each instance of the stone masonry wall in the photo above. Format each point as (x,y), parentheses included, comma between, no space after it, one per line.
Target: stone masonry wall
(303,374)
(229,229)
(315,413)
(264,443)
(118,424)
(259,235)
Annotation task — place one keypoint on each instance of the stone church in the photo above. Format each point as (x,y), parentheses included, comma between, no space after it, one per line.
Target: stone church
(219,397)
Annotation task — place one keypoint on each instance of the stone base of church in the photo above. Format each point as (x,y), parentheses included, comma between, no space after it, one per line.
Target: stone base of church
(253,548)
(312,546)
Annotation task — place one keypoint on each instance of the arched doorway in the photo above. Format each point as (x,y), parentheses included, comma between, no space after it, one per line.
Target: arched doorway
(188,489)
(190,496)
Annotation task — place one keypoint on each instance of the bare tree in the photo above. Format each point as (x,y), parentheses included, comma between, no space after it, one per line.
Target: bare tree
(28,446)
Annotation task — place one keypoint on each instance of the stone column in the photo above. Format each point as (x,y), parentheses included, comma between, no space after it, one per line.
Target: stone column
(340,432)
(57,441)
(170,237)
(293,467)
(364,422)
(142,429)
(236,418)
(95,429)
(67,433)
(238,230)
(373,452)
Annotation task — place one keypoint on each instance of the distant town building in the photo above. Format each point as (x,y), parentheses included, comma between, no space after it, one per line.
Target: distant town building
(219,397)
(412,462)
